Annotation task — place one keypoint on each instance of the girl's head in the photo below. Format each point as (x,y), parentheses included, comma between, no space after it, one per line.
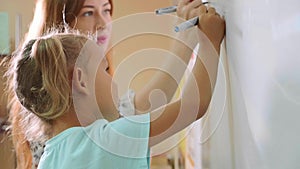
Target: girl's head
(89,16)
(42,74)
(47,67)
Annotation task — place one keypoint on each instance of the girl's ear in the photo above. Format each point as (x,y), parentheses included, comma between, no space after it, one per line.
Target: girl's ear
(80,81)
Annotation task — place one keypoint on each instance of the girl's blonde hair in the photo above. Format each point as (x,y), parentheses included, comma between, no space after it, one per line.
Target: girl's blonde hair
(48,13)
(42,74)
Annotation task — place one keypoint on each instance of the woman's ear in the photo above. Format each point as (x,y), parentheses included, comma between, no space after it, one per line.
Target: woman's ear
(80,84)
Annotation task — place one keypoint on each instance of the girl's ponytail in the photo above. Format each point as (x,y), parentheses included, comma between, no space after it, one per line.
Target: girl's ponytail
(42,78)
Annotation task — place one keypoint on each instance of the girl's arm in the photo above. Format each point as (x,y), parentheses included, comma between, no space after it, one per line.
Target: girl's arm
(196,95)
(172,70)
(194,101)
(175,65)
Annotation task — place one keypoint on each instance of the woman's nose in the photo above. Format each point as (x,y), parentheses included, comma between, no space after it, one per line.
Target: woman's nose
(101,22)
(100,26)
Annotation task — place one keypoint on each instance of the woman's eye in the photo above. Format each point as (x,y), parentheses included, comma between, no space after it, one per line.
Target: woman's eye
(107,11)
(89,13)
(107,69)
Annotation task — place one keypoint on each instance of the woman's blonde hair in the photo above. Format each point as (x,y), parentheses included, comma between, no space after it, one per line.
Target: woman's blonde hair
(42,74)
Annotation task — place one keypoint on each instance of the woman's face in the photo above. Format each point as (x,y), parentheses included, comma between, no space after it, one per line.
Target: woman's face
(94,17)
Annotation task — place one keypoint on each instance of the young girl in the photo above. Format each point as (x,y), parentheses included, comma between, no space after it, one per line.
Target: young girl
(58,79)
(94,16)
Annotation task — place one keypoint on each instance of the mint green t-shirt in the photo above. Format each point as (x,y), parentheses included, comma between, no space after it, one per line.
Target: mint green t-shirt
(121,144)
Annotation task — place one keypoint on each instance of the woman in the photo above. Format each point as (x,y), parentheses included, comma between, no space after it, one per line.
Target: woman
(94,16)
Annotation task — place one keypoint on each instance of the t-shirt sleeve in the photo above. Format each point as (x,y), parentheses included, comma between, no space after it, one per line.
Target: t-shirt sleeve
(126,106)
(127,136)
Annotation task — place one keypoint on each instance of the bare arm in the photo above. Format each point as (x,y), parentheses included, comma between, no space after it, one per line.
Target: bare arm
(197,92)
(175,65)
(195,99)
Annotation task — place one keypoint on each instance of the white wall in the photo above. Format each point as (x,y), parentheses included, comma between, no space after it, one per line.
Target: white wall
(260,125)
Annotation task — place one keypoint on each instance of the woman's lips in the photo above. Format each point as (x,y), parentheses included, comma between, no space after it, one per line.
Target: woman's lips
(101,39)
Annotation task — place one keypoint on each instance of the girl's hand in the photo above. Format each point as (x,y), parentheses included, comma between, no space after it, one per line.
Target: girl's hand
(210,22)
(187,9)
